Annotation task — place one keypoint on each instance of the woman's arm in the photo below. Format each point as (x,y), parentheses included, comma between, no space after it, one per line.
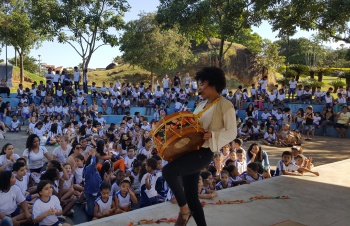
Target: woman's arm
(47,156)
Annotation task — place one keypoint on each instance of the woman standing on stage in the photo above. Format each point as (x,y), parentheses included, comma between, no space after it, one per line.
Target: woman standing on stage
(218,118)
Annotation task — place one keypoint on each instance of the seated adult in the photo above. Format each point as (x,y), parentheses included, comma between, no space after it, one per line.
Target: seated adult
(4,88)
(343,120)
(257,155)
(328,117)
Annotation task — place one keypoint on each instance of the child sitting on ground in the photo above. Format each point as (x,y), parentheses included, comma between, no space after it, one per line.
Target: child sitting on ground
(286,167)
(11,198)
(15,125)
(252,175)
(104,204)
(304,162)
(224,181)
(205,193)
(241,163)
(149,195)
(270,137)
(47,207)
(125,196)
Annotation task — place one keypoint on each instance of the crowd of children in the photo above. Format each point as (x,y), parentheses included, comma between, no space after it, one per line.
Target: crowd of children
(115,169)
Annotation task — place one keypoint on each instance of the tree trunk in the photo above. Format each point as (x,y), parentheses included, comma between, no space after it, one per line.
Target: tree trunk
(21,74)
(15,57)
(221,51)
(347,81)
(297,77)
(320,76)
(312,74)
(152,80)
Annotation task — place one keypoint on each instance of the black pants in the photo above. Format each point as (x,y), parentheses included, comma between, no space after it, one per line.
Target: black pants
(188,168)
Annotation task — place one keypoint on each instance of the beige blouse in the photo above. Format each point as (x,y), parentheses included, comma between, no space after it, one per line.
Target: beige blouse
(220,119)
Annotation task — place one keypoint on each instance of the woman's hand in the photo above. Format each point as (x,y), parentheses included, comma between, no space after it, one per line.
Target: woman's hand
(207,135)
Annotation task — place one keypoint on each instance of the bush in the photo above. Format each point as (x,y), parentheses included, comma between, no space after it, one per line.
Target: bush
(337,83)
(311,82)
(283,81)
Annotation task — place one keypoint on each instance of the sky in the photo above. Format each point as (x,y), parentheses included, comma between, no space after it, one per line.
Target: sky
(54,53)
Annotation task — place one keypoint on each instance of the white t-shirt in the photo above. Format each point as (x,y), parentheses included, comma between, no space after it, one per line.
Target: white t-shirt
(123,201)
(264,115)
(178,105)
(40,207)
(318,94)
(128,161)
(35,160)
(145,152)
(56,77)
(14,125)
(59,93)
(263,83)
(39,132)
(60,154)
(281,166)
(152,181)
(4,160)
(158,93)
(49,77)
(76,76)
(10,200)
(272,97)
(293,84)
(165,82)
(23,184)
(104,206)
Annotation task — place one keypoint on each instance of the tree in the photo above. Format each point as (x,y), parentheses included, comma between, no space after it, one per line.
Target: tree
(269,56)
(330,18)
(84,25)
(146,45)
(29,63)
(205,19)
(16,30)
(252,41)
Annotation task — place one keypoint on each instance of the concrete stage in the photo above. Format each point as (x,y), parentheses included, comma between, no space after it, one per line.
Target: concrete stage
(323,200)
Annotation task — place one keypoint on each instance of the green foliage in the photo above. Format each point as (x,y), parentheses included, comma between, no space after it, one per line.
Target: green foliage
(29,63)
(301,51)
(84,25)
(16,29)
(299,68)
(205,19)
(337,83)
(252,41)
(330,18)
(312,83)
(146,45)
(269,56)
(283,81)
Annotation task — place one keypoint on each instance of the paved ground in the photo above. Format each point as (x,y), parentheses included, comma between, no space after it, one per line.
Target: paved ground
(318,201)
(323,150)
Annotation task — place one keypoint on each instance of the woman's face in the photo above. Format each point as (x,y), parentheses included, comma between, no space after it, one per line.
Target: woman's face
(9,150)
(206,90)
(255,149)
(36,142)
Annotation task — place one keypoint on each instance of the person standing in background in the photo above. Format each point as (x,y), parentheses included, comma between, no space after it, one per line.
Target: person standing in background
(76,75)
